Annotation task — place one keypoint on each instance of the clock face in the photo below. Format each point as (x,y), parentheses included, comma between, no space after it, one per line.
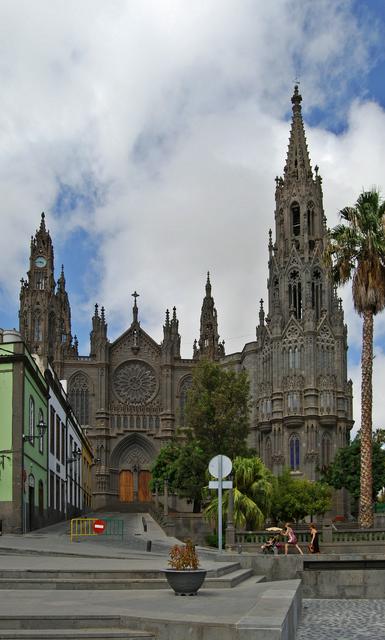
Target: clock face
(40,262)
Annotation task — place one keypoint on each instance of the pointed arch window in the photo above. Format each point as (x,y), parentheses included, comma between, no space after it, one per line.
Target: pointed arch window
(37,329)
(316,292)
(326,448)
(295,219)
(294,451)
(79,397)
(183,393)
(295,293)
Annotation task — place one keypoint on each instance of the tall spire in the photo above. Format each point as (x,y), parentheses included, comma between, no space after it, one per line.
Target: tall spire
(298,161)
(209,345)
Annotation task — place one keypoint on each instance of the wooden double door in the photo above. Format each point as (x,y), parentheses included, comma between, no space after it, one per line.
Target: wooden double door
(134,486)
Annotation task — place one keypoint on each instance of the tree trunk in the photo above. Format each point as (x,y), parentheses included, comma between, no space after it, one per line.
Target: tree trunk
(366,486)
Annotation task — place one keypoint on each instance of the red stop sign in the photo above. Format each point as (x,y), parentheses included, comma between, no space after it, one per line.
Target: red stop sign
(99,526)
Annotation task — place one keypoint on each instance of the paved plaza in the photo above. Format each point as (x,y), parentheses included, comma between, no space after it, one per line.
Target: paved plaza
(252,608)
(342,620)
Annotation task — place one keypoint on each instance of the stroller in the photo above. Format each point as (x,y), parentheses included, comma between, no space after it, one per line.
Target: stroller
(271,546)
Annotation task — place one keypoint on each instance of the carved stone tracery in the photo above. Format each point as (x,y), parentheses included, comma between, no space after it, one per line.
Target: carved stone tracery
(134,382)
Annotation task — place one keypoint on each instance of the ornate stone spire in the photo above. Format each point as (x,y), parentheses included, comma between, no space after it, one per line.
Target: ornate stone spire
(209,345)
(297,161)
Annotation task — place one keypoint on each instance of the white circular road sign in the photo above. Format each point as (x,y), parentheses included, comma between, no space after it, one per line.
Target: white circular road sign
(218,461)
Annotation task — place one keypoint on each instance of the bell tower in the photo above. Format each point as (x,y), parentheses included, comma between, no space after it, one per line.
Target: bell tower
(45,314)
(304,399)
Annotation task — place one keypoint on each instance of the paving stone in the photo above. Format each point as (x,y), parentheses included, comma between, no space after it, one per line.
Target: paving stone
(336,619)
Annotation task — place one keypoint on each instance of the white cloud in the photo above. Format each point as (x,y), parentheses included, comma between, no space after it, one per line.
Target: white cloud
(175,111)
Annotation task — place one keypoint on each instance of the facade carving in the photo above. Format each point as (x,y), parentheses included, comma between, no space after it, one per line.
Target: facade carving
(130,394)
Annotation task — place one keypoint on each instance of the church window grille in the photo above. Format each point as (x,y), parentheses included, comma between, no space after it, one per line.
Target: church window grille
(37,332)
(40,281)
(295,294)
(294,451)
(183,395)
(125,422)
(326,447)
(295,219)
(79,397)
(293,401)
(132,422)
(316,292)
(294,359)
(118,422)
(31,419)
(268,453)
(157,422)
(151,422)
(138,422)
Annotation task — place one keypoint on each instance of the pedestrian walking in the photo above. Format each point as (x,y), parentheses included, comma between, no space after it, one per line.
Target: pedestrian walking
(314,539)
(291,539)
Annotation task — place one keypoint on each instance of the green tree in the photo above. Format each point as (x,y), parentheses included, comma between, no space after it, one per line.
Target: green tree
(164,467)
(357,250)
(253,491)
(342,472)
(217,410)
(295,498)
(190,473)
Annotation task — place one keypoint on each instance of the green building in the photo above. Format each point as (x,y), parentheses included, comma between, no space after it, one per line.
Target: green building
(23,437)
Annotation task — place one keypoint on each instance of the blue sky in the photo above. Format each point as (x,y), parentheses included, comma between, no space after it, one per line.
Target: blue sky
(151,133)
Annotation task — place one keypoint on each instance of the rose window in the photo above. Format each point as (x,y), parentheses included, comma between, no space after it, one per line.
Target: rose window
(134,382)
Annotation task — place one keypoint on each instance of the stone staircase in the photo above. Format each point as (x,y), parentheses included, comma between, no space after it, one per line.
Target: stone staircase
(226,576)
(68,628)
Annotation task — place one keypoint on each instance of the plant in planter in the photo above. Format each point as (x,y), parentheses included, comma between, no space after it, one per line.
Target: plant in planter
(184,577)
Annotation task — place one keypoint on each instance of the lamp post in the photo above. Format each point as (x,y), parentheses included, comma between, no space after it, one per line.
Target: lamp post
(41,427)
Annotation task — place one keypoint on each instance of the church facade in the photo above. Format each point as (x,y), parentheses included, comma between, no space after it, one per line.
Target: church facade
(130,393)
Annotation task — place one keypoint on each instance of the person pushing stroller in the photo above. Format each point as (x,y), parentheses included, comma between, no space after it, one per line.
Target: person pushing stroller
(271,545)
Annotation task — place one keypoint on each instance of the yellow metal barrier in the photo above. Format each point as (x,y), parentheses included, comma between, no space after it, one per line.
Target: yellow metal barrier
(82,527)
(85,527)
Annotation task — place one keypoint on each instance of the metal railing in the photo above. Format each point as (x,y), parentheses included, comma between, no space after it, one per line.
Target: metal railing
(246,538)
(84,527)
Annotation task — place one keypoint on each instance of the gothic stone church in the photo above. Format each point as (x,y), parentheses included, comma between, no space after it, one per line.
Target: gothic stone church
(130,393)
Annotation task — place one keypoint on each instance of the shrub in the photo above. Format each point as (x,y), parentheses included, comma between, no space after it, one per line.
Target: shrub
(184,557)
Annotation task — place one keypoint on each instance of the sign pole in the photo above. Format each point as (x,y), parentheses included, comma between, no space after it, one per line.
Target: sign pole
(220,504)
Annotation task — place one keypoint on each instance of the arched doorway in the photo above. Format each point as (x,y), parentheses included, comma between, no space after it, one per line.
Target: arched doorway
(133,457)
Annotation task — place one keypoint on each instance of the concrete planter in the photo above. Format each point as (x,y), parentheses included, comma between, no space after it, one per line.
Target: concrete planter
(185,582)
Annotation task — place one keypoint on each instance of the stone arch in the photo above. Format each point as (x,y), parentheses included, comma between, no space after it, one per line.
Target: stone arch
(132,459)
(184,385)
(78,393)
(134,448)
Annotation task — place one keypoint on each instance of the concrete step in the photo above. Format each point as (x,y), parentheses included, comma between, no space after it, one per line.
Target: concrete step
(225,577)
(228,580)
(108,633)
(51,627)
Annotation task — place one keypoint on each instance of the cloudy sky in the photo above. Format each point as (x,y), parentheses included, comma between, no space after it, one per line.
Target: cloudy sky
(151,131)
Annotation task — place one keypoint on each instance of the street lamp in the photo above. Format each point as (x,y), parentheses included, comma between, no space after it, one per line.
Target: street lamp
(76,454)
(41,427)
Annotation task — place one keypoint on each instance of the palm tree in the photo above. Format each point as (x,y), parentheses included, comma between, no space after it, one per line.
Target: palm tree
(357,250)
(253,491)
